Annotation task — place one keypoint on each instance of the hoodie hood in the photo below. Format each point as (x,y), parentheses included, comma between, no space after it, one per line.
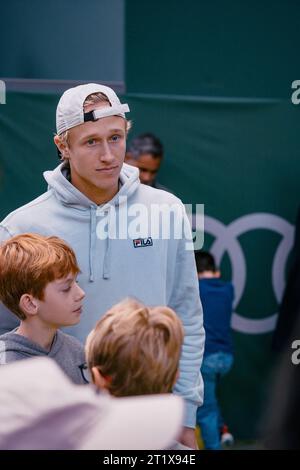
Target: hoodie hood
(22,347)
(65,350)
(59,182)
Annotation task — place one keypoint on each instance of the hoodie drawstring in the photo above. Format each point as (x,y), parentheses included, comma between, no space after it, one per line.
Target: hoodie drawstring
(107,241)
(92,241)
(106,262)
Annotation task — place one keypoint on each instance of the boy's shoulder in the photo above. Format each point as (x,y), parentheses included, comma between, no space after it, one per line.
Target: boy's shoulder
(11,348)
(11,338)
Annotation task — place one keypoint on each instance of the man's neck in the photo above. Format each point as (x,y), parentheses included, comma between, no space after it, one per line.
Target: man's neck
(96,195)
(38,333)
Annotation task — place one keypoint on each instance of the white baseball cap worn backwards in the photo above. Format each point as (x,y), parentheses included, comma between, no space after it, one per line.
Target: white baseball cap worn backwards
(70,112)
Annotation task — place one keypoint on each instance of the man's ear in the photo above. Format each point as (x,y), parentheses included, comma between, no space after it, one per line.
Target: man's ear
(217,274)
(62,147)
(28,304)
(100,380)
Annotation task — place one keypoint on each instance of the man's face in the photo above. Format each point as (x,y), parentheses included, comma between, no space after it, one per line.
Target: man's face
(62,304)
(148,166)
(96,152)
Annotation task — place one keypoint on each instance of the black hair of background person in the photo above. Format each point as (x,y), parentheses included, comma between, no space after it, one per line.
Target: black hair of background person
(204,261)
(144,144)
(289,309)
(281,426)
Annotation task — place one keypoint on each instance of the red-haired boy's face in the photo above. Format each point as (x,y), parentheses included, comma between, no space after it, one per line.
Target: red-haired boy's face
(62,303)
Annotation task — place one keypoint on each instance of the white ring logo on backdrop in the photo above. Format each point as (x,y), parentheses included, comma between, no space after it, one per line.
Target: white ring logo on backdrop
(226,240)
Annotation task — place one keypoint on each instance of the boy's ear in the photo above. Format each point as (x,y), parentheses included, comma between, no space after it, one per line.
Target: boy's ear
(87,344)
(100,380)
(28,304)
(217,273)
(62,147)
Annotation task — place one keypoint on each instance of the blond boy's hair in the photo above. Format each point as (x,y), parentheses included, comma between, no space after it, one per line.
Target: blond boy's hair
(137,348)
(28,262)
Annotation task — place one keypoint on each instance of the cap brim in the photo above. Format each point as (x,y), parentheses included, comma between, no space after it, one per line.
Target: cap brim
(149,422)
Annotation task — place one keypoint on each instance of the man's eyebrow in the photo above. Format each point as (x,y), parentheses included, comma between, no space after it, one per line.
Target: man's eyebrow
(96,136)
(89,136)
(117,130)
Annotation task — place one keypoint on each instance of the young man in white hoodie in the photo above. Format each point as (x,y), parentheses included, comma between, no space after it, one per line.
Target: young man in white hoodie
(92,202)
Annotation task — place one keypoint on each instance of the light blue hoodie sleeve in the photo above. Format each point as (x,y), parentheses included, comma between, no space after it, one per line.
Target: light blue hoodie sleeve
(185,300)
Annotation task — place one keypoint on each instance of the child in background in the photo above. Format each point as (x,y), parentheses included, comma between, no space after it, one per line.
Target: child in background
(217,299)
(38,284)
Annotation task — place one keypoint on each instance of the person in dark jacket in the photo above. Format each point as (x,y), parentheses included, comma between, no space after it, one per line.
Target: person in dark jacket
(217,299)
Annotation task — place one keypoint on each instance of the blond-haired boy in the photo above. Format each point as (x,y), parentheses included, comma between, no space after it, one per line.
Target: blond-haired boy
(38,284)
(135,350)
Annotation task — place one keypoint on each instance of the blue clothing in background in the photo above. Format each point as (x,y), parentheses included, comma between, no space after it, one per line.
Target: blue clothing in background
(214,366)
(217,298)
